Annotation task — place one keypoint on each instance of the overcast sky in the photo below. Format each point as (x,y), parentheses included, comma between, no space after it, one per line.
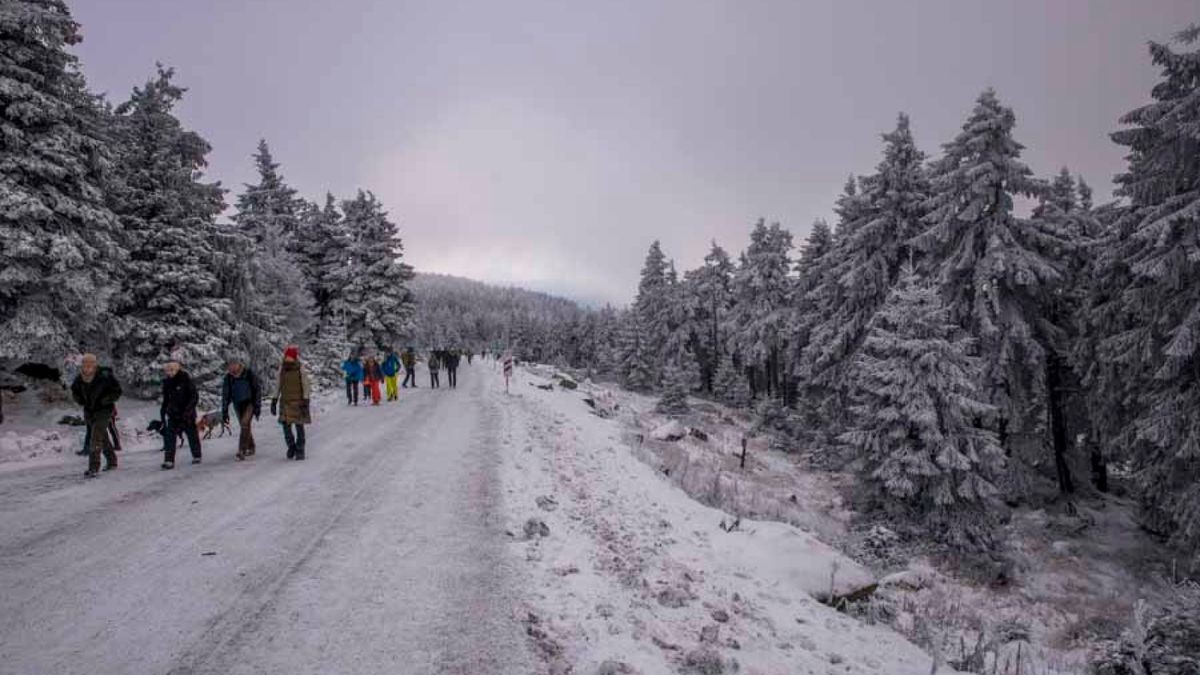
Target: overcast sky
(547,143)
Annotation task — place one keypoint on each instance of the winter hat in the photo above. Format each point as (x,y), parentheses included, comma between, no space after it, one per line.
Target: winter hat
(292,352)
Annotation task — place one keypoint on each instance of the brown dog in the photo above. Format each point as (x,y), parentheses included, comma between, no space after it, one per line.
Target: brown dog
(209,421)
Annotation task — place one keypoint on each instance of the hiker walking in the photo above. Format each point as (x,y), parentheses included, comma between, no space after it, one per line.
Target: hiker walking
(291,402)
(178,412)
(452,360)
(96,390)
(434,366)
(372,375)
(409,360)
(241,388)
(353,369)
(391,370)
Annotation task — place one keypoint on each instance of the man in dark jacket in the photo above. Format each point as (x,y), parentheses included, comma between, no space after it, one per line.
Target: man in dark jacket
(178,413)
(241,387)
(96,390)
(451,359)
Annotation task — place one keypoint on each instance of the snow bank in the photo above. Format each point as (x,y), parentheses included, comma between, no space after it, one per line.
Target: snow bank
(634,576)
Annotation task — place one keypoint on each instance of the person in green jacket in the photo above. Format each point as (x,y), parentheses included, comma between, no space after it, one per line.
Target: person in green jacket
(292,402)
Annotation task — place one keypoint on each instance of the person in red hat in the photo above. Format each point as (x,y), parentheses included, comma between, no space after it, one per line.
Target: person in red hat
(291,402)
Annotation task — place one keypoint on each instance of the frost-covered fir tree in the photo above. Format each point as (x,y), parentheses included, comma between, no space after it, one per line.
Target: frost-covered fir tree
(268,213)
(269,207)
(321,246)
(730,385)
(1147,302)
(59,246)
(916,440)
(996,271)
(634,361)
(762,291)
(376,300)
(676,384)
(653,308)
(170,303)
(709,291)
(877,221)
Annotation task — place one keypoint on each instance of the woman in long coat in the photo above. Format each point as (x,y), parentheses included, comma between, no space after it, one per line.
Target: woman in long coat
(293,397)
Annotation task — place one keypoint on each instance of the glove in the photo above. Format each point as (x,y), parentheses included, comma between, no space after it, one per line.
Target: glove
(257,412)
(274,408)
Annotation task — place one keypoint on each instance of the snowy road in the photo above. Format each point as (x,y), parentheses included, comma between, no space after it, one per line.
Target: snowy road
(383,552)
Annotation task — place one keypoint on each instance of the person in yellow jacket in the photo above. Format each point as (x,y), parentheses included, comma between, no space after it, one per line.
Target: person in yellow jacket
(292,402)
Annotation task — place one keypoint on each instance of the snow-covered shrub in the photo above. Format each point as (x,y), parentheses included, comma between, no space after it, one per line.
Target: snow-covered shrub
(1166,642)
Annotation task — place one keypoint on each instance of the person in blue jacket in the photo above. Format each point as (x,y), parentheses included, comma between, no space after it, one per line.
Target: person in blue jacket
(391,370)
(353,368)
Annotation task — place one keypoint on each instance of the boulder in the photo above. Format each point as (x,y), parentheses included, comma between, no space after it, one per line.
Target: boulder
(671,431)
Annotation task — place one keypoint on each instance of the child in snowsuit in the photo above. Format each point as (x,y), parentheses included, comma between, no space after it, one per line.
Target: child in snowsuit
(372,375)
(353,369)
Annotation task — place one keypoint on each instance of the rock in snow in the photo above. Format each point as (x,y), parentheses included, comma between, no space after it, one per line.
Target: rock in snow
(671,431)
(536,528)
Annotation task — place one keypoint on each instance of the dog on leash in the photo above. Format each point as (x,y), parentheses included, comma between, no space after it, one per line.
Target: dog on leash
(204,425)
(209,421)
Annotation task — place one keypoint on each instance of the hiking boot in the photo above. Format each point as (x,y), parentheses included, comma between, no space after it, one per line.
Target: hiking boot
(109,467)
(167,465)
(291,453)
(195,460)
(299,455)
(90,474)
(239,457)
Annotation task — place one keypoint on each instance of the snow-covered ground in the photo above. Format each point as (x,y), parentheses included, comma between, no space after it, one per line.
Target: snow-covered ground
(472,531)
(383,552)
(1076,573)
(632,575)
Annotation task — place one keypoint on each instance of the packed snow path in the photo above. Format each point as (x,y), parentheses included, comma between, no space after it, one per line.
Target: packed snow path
(382,552)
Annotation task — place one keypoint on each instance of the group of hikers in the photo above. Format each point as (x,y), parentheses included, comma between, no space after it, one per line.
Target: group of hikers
(96,390)
(367,373)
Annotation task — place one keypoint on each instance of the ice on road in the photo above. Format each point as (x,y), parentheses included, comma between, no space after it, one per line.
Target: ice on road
(382,552)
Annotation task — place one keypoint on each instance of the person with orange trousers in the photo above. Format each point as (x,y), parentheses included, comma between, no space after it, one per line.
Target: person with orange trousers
(372,376)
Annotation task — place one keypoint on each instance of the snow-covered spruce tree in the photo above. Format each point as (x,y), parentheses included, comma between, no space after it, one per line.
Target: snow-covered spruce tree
(321,245)
(652,306)
(59,245)
(1064,208)
(996,272)
(730,385)
(679,351)
(1148,302)
(916,435)
(634,366)
(268,214)
(877,221)
(170,302)
(812,277)
(710,298)
(376,301)
(812,273)
(762,291)
(676,384)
